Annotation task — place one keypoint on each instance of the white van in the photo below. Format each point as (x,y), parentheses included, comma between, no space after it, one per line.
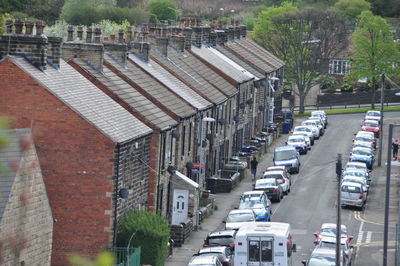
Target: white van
(264,243)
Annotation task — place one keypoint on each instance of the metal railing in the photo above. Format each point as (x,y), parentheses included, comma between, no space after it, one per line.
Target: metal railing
(341,106)
(126,256)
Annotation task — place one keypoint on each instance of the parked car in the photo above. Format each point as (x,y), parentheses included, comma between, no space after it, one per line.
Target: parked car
(208,260)
(366,139)
(236,218)
(299,143)
(320,124)
(224,254)
(352,194)
(365,133)
(346,248)
(357,179)
(362,155)
(258,202)
(357,172)
(359,166)
(318,118)
(329,230)
(306,138)
(280,168)
(314,127)
(281,178)
(306,130)
(371,126)
(322,115)
(225,238)
(324,257)
(271,187)
(373,115)
(288,157)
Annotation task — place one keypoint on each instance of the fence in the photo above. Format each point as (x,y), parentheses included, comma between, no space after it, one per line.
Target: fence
(342,106)
(126,256)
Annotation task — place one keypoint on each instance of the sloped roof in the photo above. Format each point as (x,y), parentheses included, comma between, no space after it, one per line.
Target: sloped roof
(156,91)
(189,61)
(261,52)
(250,57)
(218,60)
(178,68)
(87,100)
(234,57)
(174,84)
(129,95)
(10,158)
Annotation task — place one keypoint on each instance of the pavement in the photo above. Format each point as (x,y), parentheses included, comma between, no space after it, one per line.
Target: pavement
(225,202)
(370,216)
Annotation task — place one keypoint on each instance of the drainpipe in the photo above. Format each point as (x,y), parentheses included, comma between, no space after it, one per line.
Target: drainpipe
(116,199)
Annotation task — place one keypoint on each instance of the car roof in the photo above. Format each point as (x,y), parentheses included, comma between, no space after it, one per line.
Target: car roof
(274,172)
(356,163)
(222,233)
(323,251)
(370,120)
(242,211)
(220,249)
(351,184)
(285,148)
(280,167)
(295,137)
(211,259)
(253,192)
(265,180)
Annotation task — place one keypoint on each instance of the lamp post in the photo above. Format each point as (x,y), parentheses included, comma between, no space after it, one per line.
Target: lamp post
(270,103)
(381,123)
(200,175)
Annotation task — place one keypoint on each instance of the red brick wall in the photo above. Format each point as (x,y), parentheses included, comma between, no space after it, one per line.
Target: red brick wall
(75,161)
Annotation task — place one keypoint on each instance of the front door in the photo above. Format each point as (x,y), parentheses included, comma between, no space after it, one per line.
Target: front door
(260,251)
(180,206)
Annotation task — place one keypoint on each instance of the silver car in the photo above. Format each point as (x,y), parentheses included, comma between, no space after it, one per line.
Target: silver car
(352,194)
(236,218)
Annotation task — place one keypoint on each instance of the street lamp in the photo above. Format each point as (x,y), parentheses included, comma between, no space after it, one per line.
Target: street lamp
(381,122)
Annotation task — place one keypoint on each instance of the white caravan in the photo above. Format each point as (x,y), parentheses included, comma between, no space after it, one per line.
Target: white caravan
(264,244)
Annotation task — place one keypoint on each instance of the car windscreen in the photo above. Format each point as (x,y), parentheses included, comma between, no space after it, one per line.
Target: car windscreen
(354,173)
(261,185)
(275,176)
(220,241)
(331,231)
(252,203)
(304,129)
(350,189)
(296,140)
(240,217)
(322,261)
(365,139)
(285,155)
(370,123)
(360,152)
(373,114)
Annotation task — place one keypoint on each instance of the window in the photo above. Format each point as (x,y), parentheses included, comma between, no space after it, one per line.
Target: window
(338,67)
(260,251)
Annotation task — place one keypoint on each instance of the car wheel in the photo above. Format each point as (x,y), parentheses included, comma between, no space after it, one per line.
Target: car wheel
(289,189)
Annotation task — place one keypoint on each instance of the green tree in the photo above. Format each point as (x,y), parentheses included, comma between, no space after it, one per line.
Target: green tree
(2,23)
(304,40)
(163,10)
(386,8)
(351,9)
(375,52)
(83,7)
(130,3)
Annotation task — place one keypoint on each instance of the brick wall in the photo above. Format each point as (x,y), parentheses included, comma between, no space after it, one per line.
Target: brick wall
(76,162)
(27,218)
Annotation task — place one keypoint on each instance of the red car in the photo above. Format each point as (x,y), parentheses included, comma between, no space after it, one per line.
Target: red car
(371,126)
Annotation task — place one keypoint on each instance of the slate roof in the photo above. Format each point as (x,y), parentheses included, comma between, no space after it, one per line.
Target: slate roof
(213,57)
(178,68)
(248,66)
(129,95)
(174,84)
(9,156)
(261,52)
(250,57)
(155,90)
(196,66)
(87,100)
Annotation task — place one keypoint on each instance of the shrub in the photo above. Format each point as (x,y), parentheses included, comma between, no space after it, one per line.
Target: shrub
(148,230)
(347,84)
(327,83)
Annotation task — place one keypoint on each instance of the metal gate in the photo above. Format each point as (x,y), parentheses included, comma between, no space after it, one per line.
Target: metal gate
(126,256)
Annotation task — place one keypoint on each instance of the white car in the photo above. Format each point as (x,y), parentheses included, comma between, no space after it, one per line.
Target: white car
(299,143)
(319,120)
(236,218)
(281,178)
(352,194)
(373,115)
(321,114)
(307,130)
(312,124)
(306,138)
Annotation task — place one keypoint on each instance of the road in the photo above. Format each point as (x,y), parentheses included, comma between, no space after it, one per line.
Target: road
(313,197)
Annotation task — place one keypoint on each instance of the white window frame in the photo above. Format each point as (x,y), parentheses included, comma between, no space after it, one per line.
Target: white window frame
(339,66)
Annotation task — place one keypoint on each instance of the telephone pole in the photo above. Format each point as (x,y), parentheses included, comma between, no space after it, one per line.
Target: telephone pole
(338,217)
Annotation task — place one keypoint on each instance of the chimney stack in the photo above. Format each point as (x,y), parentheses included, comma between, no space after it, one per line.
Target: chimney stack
(221,37)
(187,32)
(97,35)
(230,33)
(93,52)
(243,31)
(118,50)
(54,51)
(162,45)
(197,36)
(206,34)
(213,38)
(141,49)
(32,47)
(237,30)
(178,43)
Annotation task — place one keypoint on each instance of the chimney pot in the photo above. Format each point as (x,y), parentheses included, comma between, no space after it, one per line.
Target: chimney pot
(89,33)
(79,33)
(112,37)
(97,35)
(9,24)
(121,36)
(129,37)
(18,26)
(70,31)
(28,27)
(40,27)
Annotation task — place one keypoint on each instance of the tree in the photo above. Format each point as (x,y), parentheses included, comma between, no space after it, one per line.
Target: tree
(304,40)
(375,52)
(351,9)
(163,9)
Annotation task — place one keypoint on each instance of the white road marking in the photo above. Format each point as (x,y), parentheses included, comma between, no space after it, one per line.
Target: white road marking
(369,236)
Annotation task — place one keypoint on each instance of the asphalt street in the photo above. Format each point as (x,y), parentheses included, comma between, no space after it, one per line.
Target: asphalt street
(312,200)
